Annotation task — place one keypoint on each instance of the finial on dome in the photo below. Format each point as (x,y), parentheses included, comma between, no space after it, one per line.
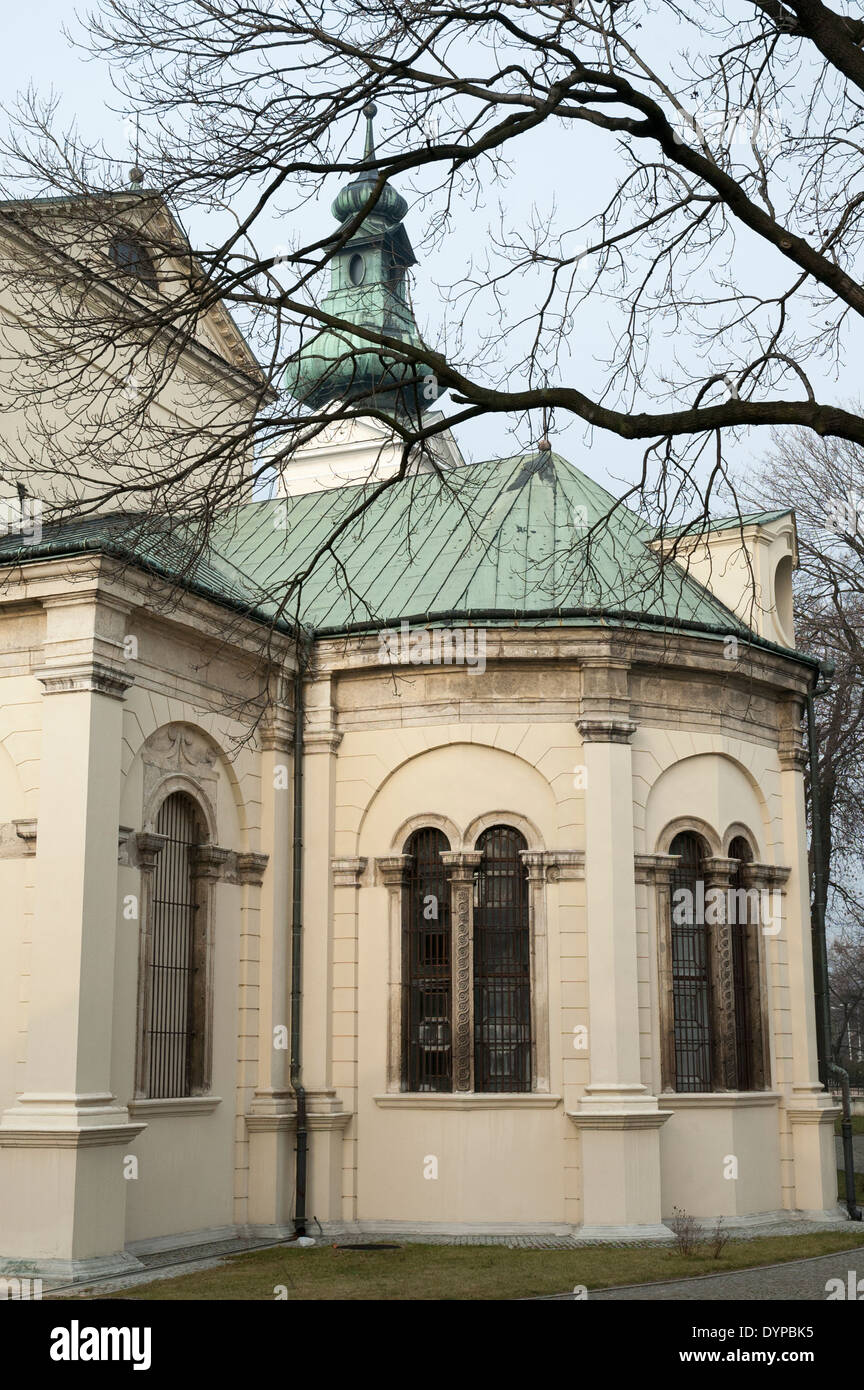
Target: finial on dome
(370,111)
(136,175)
(544,446)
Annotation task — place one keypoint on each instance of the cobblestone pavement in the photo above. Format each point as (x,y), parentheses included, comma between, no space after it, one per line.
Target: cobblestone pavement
(798,1281)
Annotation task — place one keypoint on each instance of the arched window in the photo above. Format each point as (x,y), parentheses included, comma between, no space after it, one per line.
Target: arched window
(502,964)
(427,965)
(744,970)
(132,258)
(176,992)
(691,968)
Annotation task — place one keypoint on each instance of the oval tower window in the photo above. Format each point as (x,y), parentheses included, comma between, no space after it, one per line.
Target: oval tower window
(356,270)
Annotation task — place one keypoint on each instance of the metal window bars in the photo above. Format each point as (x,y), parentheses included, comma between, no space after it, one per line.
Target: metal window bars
(427,965)
(171,1017)
(691,972)
(502,967)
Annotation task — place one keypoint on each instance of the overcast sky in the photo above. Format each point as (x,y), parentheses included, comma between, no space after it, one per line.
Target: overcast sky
(551,171)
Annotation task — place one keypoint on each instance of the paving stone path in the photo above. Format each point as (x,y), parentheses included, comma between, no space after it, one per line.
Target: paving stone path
(798,1281)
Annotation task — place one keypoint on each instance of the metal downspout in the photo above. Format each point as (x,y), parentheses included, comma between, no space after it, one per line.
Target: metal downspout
(297,956)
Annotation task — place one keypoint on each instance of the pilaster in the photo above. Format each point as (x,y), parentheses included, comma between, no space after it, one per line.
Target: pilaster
(62,1144)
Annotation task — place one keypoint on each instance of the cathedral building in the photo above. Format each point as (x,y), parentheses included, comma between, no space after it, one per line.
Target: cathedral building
(492,919)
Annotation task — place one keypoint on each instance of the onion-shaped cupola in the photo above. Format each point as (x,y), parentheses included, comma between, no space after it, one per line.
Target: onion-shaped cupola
(368,288)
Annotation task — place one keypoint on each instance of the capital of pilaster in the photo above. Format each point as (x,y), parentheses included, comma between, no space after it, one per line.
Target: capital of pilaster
(148,847)
(765,875)
(553,865)
(208,861)
(347,873)
(717,871)
(251,867)
(596,730)
(98,677)
(462,863)
(392,868)
(655,868)
(322,740)
(276,733)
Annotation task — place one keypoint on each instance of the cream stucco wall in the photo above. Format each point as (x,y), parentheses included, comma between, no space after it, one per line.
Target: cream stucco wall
(596,749)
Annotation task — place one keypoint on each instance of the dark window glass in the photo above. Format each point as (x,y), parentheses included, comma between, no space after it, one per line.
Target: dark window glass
(132,258)
(502,965)
(427,976)
(691,974)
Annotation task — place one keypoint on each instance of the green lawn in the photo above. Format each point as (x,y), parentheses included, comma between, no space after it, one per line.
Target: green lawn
(421,1272)
(857,1125)
(859,1187)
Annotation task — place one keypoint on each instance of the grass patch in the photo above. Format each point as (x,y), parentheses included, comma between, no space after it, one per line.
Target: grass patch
(423,1272)
(859,1187)
(857,1125)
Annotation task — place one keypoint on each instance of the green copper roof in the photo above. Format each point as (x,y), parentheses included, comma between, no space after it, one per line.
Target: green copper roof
(506,539)
(726,523)
(504,542)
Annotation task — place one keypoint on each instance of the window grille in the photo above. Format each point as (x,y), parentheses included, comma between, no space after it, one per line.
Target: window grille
(744,1032)
(502,966)
(427,972)
(172,1016)
(691,973)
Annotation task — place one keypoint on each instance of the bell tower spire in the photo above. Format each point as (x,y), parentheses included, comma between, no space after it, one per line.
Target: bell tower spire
(368,287)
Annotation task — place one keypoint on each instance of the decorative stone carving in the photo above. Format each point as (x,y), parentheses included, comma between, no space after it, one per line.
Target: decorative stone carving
(462,980)
(179,748)
(177,751)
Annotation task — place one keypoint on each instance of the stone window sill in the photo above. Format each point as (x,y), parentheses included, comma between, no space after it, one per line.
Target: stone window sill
(467,1100)
(174,1105)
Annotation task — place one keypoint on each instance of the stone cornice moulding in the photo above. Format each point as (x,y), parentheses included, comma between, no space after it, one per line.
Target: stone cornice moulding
(96,677)
(348,873)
